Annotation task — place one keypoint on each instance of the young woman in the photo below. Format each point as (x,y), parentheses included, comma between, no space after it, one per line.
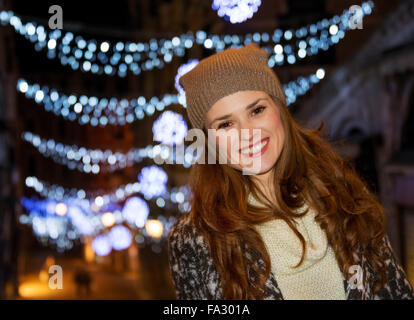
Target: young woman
(302,225)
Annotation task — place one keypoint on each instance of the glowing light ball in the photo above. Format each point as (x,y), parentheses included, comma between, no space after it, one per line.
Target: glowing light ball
(154,228)
(120,237)
(61,209)
(236,10)
(320,73)
(101,245)
(99,201)
(170,128)
(108,219)
(152,181)
(135,211)
(22,85)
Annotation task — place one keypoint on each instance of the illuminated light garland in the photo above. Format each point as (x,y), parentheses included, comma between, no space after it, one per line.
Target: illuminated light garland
(236,10)
(79,213)
(92,110)
(96,160)
(57,230)
(302,85)
(81,221)
(98,112)
(82,159)
(109,58)
(168,199)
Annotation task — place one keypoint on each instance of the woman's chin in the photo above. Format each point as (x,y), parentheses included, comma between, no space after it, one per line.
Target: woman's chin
(255,167)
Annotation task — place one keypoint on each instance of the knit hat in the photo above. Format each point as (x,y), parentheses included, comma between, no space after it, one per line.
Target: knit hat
(224,73)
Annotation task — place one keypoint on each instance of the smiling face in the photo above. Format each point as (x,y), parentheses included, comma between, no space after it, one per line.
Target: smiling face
(260,144)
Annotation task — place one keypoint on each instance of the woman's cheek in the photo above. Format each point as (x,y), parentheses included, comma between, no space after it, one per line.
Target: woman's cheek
(225,146)
(281,134)
(223,152)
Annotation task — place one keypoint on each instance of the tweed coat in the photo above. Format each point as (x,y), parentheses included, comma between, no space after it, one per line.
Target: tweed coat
(195,276)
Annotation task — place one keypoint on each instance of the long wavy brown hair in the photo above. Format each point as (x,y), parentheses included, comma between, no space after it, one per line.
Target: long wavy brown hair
(307,170)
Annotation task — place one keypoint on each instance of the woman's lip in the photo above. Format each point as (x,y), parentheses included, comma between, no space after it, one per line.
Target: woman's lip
(260,153)
(253,144)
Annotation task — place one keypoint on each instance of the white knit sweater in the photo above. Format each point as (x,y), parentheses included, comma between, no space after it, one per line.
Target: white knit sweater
(319,276)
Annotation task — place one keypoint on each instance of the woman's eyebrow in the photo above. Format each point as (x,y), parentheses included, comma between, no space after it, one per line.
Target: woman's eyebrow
(249,106)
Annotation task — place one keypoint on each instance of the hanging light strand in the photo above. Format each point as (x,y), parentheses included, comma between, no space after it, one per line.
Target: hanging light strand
(174,196)
(103,111)
(104,57)
(95,161)
(82,220)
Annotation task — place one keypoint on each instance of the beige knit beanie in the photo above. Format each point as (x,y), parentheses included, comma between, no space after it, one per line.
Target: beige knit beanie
(224,73)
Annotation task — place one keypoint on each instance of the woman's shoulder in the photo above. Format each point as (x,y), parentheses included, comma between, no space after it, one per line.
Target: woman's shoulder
(191,265)
(184,233)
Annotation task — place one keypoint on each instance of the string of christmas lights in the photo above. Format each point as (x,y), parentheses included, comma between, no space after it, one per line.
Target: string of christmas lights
(152,185)
(104,57)
(96,160)
(103,111)
(92,110)
(61,223)
(69,214)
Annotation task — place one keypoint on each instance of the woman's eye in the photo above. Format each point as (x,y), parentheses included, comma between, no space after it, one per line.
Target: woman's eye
(223,125)
(258,110)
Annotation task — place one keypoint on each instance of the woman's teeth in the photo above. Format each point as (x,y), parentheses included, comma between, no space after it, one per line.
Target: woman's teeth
(256,148)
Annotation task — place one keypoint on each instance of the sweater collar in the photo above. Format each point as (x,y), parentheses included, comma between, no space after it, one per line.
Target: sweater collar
(279,238)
